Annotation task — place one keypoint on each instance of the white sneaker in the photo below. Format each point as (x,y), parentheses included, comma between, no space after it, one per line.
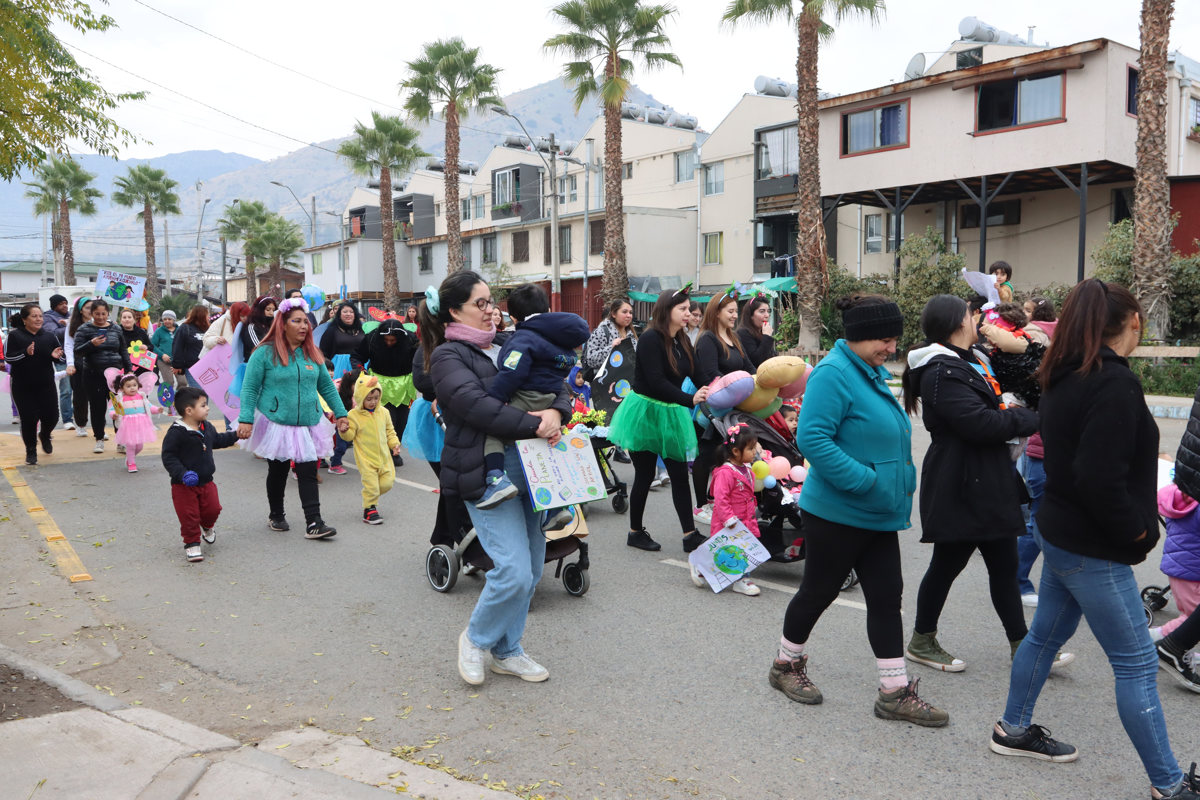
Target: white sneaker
(470,660)
(1029,600)
(99,448)
(697,578)
(193,553)
(703,514)
(80,432)
(469,569)
(1061,660)
(69,426)
(208,534)
(744,586)
(522,666)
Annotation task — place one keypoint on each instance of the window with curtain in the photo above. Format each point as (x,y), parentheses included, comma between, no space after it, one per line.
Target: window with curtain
(488,256)
(713,248)
(478,206)
(502,188)
(685,166)
(564,244)
(467,246)
(520,247)
(1039,99)
(596,245)
(777,153)
(1194,109)
(1007,104)
(875,129)
(714,178)
(466,209)
(873,233)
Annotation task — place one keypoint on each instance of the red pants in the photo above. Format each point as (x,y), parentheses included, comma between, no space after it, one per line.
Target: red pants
(196,507)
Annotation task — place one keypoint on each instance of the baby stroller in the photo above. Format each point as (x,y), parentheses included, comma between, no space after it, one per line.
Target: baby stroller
(613,486)
(776,507)
(1155,598)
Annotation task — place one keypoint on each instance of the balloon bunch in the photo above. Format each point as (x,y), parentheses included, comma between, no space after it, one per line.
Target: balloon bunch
(761,394)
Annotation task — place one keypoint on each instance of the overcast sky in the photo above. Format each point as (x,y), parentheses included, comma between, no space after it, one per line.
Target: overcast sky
(360,49)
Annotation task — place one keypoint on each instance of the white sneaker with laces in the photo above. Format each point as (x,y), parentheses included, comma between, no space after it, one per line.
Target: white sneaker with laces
(744,586)
(193,552)
(1061,660)
(522,666)
(99,448)
(1029,600)
(703,514)
(208,534)
(80,432)
(697,578)
(69,426)
(471,660)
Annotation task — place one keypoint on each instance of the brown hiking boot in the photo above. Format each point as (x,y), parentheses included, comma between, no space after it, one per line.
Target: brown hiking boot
(791,678)
(904,704)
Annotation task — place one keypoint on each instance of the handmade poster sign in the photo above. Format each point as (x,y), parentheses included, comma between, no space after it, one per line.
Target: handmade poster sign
(120,289)
(141,356)
(729,554)
(562,475)
(1166,472)
(614,380)
(212,374)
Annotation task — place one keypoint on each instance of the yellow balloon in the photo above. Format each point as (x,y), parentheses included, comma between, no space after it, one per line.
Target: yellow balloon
(761,469)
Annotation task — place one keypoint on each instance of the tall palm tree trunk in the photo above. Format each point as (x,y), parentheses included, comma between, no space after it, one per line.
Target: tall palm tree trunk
(251,280)
(276,277)
(68,247)
(616,276)
(811,275)
(153,292)
(1151,197)
(453,213)
(391,279)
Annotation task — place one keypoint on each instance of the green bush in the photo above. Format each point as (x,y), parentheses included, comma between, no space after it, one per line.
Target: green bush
(1176,377)
(844,284)
(927,268)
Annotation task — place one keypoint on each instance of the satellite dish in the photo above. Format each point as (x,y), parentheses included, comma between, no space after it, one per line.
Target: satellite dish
(915,68)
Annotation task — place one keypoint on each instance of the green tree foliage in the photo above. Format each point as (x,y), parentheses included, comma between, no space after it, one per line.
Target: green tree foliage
(237,224)
(842,283)
(927,267)
(151,192)
(276,240)
(1114,263)
(62,186)
(47,99)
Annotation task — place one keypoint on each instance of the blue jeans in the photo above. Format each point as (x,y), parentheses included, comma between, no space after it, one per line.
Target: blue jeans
(65,406)
(1034,470)
(512,537)
(340,446)
(1106,594)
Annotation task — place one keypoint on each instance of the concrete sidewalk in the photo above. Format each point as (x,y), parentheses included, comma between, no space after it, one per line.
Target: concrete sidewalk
(113,751)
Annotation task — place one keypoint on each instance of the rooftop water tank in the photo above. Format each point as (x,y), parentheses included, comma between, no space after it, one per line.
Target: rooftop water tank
(976,30)
(774,87)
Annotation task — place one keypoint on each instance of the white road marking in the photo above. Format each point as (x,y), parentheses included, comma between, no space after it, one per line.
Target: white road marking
(413,484)
(779,587)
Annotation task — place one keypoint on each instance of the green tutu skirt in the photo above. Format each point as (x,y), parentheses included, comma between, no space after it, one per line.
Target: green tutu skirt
(666,429)
(397,390)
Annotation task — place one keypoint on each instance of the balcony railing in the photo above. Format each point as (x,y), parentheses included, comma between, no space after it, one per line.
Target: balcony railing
(526,205)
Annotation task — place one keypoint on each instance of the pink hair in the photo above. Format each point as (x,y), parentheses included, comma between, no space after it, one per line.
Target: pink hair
(277,337)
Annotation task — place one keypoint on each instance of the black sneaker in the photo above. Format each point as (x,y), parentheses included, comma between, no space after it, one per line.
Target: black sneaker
(371,517)
(47,445)
(278,524)
(620,456)
(1178,666)
(1035,742)
(319,530)
(397,461)
(1188,790)
(642,541)
(693,540)
(31,456)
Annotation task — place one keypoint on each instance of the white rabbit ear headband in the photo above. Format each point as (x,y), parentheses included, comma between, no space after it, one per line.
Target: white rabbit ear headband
(292,303)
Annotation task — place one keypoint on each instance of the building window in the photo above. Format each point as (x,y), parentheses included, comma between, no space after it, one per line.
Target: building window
(1000,212)
(714,248)
(685,166)
(466,209)
(627,170)
(778,154)
(425,259)
(564,244)
(520,247)
(316,264)
(971,57)
(714,178)
(503,187)
(873,233)
(546,252)
(1122,204)
(596,245)
(478,206)
(467,246)
(1009,104)
(489,250)
(890,243)
(568,189)
(1131,91)
(437,209)
(875,129)
(1194,115)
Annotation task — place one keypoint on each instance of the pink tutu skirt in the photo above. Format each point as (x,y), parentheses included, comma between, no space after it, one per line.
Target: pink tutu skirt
(277,442)
(136,429)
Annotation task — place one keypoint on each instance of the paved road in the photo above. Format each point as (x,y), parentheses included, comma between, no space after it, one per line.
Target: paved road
(658,689)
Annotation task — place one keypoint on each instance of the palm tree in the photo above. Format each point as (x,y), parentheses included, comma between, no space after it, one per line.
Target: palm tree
(62,185)
(276,240)
(238,223)
(1151,194)
(609,36)
(812,278)
(448,73)
(151,189)
(389,145)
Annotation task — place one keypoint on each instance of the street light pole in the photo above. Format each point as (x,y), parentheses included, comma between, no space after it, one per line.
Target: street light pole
(199,251)
(312,219)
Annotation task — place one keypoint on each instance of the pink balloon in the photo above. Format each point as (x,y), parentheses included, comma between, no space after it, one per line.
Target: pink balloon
(796,387)
(798,474)
(780,467)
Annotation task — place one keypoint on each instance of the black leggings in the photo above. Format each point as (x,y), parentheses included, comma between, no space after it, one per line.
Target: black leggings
(1187,635)
(645,465)
(399,419)
(97,391)
(36,403)
(702,466)
(79,405)
(306,477)
(832,550)
(949,559)
(452,520)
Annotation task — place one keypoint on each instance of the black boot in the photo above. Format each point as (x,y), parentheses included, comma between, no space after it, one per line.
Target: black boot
(31,456)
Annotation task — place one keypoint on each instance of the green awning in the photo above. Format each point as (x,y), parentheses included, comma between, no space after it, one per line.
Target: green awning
(779,284)
(644,297)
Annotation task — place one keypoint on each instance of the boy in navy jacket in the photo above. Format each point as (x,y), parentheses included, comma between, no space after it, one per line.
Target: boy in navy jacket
(187,454)
(533,364)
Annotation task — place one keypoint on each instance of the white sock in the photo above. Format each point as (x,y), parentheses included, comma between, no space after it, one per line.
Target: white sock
(790,651)
(892,673)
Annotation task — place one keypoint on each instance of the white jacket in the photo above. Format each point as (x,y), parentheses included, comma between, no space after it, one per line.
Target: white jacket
(221,328)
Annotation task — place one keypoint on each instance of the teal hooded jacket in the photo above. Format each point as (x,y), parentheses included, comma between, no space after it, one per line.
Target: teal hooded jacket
(287,395)
(858,442)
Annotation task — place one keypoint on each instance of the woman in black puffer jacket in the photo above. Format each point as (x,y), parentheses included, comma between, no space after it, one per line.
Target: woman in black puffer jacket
(457,334)
(98,345)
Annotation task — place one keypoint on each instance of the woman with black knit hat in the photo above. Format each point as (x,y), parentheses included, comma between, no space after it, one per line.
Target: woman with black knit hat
(859,493)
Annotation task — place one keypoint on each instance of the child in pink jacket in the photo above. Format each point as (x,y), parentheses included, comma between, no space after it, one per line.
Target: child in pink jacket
(732,490)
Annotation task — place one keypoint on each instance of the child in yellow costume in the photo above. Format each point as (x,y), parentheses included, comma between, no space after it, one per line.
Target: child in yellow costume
(375,443)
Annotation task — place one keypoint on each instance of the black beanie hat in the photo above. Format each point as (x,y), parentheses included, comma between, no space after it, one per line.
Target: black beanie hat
(872,321)
(55,299)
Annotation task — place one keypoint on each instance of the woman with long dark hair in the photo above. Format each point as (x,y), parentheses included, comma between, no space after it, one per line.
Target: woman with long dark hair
(257,323)
(80,314)
(342,339)
(132,332)
(98,345)
(755,330)
(189,341)
(1099,516)
(654,420)
(457,335)
(612,330)
(221,331)
(30,355)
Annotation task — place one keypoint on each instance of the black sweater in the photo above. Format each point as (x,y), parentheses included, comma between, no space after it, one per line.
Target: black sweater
(758,348)
(187,346)
(136,334)
(1101,463)
(338,341)
(30,370)
(1187,459)
(109,354)
(712,361)
(184,449)
(388,361)
(652,374)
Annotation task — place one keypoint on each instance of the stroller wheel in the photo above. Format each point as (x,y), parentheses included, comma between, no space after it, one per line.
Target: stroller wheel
(1154,598)
(850,582)
(575,580)
(620,502)
(441,567)
(1149,614)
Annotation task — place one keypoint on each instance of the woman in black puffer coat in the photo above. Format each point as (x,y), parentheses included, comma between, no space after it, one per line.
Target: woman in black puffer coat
(98,345)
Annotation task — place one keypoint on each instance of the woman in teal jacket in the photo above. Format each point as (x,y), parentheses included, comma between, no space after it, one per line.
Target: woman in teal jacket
(858,494)
(281,415)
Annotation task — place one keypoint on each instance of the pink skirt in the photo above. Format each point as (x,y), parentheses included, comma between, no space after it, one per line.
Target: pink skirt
(277,442)
(136,429)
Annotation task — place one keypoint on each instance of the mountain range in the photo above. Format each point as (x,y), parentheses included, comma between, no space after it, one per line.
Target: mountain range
(114,235)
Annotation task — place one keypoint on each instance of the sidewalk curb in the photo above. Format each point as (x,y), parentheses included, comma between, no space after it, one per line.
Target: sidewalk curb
(72,688)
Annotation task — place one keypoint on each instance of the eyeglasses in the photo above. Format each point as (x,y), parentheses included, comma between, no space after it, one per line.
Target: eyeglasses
(484,303)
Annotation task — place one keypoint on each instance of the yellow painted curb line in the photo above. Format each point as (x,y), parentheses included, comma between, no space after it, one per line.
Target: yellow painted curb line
(64,554)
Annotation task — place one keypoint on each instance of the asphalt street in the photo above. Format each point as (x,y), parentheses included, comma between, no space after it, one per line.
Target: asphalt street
(657,690)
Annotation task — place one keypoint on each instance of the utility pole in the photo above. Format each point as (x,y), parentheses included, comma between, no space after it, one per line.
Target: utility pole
(556,285)
(587,221)
(167,254)
(199,250)
(44,250)
(224,277)
(312,224)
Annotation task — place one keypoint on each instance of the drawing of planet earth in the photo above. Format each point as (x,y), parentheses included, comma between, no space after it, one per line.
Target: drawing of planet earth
(621,388)
(731,560)
(543,496)
(616,358)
